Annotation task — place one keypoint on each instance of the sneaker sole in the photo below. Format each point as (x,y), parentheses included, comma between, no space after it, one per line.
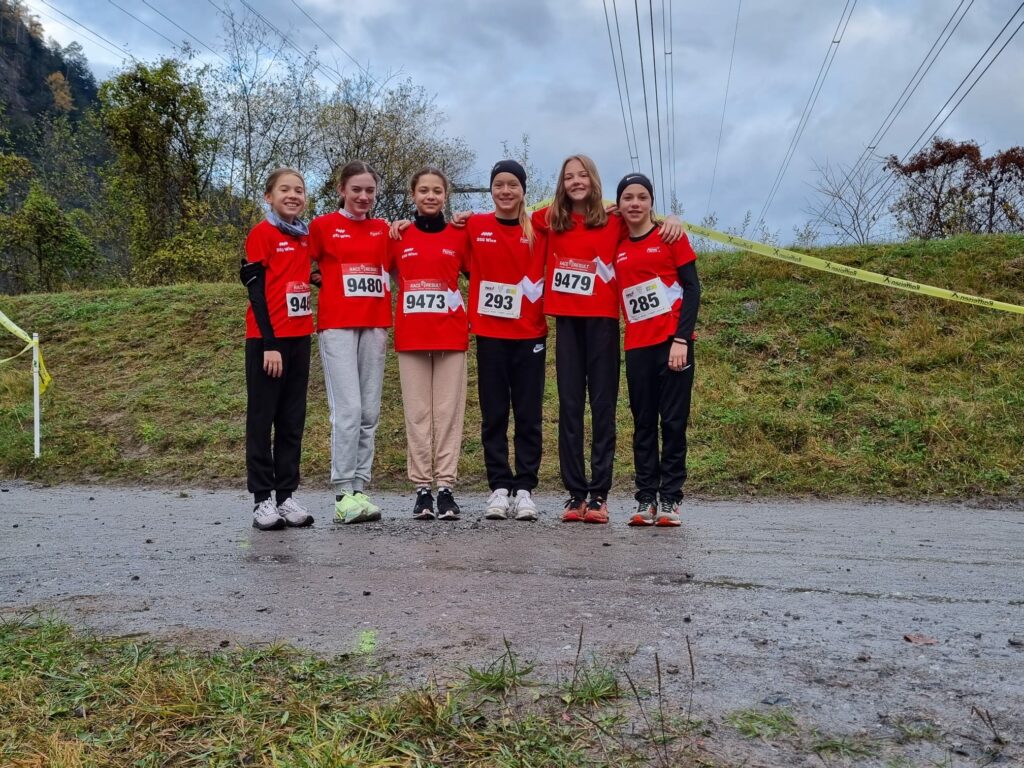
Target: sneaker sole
(637,522)
(275,526)
(664,522)
(360,517)
(595,522)
(496,515)
(572,518)
(529,517)
(424,516)
(448,516)
(304,524)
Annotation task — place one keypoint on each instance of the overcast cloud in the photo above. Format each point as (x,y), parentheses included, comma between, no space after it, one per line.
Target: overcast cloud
(545,69)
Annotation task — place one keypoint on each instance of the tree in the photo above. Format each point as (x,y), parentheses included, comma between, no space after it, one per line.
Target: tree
(157,120)
(851,201)
(61,91)
(44,248)
(949,188)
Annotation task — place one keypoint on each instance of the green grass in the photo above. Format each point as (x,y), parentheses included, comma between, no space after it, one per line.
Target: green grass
(807,383)
(69,699)
(760,724)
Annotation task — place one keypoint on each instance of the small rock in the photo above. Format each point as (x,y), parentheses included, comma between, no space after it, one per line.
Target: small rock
(366,593)
(687,619)
(776,699)
(15,525)
(216,522)
(92,498)
(263,609)
(80,712)
(149,541)
(688,575)
(977,635)
(672,669)
(605,544)
(135,578)
(1016,642)
(224,643)
(863,656)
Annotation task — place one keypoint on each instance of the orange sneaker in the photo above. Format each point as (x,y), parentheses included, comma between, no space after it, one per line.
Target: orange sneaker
(597,512)
(668,515)
(575,509)
(646,510)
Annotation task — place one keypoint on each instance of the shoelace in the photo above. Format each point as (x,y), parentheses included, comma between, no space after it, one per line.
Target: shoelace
(574,501)
(595,503)
(668,507)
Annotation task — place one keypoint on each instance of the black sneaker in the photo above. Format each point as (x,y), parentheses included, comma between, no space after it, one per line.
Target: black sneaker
(447,509)
(424,508)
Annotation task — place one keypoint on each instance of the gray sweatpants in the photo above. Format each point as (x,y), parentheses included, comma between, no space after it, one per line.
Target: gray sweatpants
(353,361)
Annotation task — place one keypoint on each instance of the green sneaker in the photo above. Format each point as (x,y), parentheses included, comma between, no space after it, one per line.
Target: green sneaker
(372,510)
(353,509)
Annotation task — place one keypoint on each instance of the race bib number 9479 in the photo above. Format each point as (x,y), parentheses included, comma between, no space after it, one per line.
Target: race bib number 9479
(296,296)
(574,276)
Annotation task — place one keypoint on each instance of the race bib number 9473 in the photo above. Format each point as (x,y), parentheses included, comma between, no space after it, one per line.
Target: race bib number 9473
(425,296)
(296,296)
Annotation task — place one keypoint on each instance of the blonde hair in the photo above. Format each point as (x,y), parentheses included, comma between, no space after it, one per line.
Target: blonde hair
(525,222)
(277,173)
(560,211)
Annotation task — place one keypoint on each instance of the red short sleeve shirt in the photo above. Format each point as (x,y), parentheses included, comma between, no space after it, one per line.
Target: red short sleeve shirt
(286,264)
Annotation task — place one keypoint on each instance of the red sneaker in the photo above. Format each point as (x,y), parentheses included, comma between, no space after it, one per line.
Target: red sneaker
(597,512)
(575,509)
(668,515)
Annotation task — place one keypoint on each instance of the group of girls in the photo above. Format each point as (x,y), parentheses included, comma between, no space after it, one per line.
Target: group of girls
(572,260)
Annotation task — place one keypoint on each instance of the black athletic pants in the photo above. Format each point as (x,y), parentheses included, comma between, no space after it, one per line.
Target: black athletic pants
(657,392)
(279,403)
(587,361)
(510,372)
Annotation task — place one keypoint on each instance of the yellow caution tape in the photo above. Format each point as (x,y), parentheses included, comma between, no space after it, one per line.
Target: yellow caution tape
(847,271)
(836,268)
(44,376)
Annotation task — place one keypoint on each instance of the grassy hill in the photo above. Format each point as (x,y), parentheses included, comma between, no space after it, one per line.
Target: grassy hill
(807,383)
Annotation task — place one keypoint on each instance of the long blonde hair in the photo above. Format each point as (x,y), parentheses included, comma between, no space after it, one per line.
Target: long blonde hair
(525,222)
(560,211)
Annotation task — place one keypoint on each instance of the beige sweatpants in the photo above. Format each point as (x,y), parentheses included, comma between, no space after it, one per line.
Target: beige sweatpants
(434,397)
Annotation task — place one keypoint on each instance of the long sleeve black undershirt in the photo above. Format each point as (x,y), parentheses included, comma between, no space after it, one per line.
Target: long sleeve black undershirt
(691,300)
(260,310)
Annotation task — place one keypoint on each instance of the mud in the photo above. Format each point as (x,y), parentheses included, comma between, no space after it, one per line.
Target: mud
(789,603)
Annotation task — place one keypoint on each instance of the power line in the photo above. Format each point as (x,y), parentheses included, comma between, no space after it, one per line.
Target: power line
(618,85)
(643,79)
(337,45)
(87,29)
(672,91)
(812,99)
(181,28)
(904,98)
(151,29)
(625,84)
(725,102)
(657,99)
(876,203)
(91,39)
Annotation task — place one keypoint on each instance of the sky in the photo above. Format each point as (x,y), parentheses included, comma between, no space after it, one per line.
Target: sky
(545,68)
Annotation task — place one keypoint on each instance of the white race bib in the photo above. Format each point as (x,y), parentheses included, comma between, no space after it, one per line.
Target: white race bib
(362,281)
(574,276)
(645,300)
(425,296)
(296,297)
(500,300)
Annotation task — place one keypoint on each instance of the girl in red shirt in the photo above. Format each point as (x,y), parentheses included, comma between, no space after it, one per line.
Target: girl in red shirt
(353,317)
(431,339)
(580,291)
(659,294)
(506,284)
(279,322)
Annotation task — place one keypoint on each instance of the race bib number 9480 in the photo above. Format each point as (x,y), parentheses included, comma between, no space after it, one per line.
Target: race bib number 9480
(362,280)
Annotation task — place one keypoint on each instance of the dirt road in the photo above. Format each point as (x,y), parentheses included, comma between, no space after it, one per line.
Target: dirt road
(798,604)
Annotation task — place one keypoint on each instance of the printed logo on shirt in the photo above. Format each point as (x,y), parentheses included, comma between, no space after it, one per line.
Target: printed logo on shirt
(621,256)
(447,251)
(341,234)
(654,249)
(286,246)
(376,232)
(408,252)
(486,237)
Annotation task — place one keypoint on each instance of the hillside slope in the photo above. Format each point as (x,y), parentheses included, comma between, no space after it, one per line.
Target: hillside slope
(807,383)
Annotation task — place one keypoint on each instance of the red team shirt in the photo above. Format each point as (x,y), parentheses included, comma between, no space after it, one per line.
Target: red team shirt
(430,314)
(286,263)
(580,277)
(649,291)
(354,263)
(506,280)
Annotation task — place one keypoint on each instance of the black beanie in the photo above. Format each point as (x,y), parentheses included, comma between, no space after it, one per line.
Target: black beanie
(509,166)
(633,178)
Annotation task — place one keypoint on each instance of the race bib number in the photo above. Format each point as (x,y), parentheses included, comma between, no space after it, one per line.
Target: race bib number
(574,276)
(296,296)
(362,281)
(645,300)
(425,296)
(500,300)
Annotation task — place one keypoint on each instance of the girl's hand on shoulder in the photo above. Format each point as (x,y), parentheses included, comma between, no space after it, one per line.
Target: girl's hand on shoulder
(316,278)
(460,218)
(612,209)
(273,365)
(398,227)
(672,230)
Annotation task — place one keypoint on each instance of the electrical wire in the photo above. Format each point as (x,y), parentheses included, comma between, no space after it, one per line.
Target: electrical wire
(725,102)
(618,85)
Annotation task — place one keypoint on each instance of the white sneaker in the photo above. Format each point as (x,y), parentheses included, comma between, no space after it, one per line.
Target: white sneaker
(524,506)
(497,505)
(295,515)
(266,517)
